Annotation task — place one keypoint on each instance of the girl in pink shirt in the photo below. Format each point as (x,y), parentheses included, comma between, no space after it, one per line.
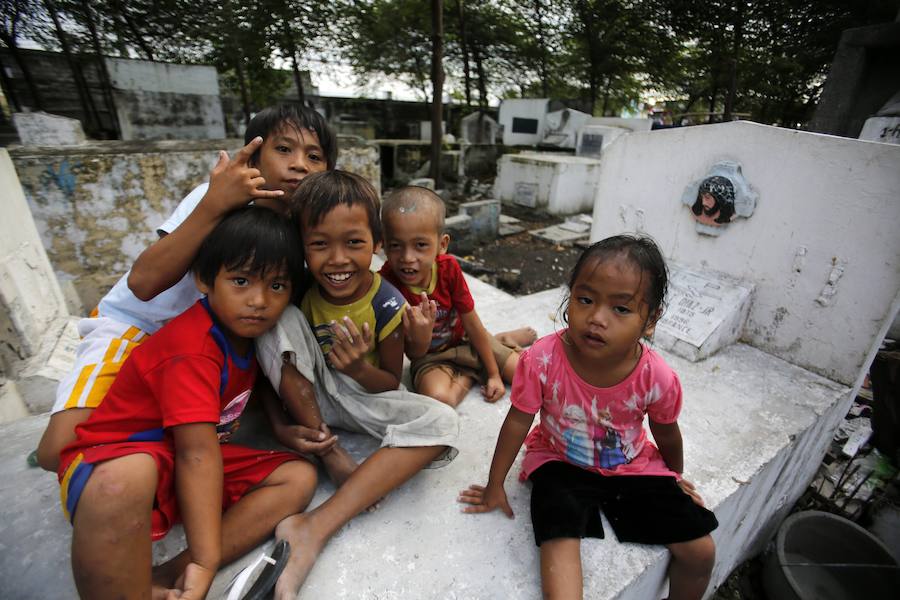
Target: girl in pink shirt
(592,384)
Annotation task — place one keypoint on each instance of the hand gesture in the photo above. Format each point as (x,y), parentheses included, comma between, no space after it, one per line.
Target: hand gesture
(485,499)
(305,440)
(233,182)
(193,583)
(494,389)
(418,321)
(348,346)
(689,489)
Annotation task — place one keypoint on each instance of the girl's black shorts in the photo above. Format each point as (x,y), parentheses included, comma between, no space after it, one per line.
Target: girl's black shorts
(566,502)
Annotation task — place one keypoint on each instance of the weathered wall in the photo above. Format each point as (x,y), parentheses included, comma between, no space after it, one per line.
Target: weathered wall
(166,101)
(822,247)
(30,298)
(97,206)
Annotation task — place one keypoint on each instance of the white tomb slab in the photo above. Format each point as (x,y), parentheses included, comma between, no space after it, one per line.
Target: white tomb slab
(559,184)
(705,311)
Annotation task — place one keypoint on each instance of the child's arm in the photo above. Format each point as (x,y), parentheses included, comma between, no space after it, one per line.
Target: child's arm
(418,324)
(348,355)
(298,438)
(512,436)
(232,183)
(669,441)
(198,486)
(494,389)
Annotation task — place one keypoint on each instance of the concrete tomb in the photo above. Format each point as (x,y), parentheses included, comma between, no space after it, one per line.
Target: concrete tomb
(555,183)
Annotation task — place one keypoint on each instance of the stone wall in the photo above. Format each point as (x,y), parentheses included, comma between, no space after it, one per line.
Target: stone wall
(97,206)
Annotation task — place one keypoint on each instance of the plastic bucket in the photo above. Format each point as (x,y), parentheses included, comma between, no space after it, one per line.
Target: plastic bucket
(820,556)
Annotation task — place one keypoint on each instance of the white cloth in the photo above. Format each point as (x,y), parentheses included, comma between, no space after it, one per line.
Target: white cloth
(399,418)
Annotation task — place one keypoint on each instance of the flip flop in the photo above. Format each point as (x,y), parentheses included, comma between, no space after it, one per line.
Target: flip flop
(272,566)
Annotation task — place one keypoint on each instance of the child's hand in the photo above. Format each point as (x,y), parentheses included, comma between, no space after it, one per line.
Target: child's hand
(233,182)
(485,499)
(305,440)
(689,489)
(418,321)
(193,583)
(494,389)
(349,347)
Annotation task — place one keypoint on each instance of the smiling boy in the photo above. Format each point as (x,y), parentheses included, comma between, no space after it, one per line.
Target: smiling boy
(284,144)
(355,317)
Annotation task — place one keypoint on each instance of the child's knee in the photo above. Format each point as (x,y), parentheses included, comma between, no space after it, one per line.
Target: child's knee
(119,494)
(699,554)
(297,479)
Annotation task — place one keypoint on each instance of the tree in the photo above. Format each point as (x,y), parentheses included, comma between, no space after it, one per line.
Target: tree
(437,82)
(15,14)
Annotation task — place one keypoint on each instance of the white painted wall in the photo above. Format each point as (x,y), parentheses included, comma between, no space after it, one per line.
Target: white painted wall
(565,184)
(824,202)
(30,297)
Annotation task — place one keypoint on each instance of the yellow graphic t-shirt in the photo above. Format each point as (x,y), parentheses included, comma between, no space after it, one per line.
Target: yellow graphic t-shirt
(381,308)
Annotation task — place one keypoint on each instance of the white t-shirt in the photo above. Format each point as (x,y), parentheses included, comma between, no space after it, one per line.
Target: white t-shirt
(122,305)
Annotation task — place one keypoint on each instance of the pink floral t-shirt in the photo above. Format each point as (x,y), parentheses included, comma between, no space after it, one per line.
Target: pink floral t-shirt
(599,429)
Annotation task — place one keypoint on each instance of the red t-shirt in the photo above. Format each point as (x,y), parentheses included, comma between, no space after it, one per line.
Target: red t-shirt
(450,293)
(185,373)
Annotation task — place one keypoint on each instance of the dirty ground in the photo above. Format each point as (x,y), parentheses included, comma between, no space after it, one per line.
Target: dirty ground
(521,264)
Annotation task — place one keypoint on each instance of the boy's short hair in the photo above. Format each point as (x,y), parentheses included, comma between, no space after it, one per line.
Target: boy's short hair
(319,193)
(254,236)
(410,198)
(274,118)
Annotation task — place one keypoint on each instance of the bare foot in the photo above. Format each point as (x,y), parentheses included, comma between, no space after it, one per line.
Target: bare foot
(522,337)
(305,547)
(339,464)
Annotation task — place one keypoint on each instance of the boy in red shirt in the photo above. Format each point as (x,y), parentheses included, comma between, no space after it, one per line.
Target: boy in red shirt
(449,347)
(156,451)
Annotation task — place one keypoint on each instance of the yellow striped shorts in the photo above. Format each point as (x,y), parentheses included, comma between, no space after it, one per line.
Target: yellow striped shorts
(104,346)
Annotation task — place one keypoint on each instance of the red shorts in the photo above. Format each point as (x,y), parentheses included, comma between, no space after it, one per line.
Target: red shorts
(242,468)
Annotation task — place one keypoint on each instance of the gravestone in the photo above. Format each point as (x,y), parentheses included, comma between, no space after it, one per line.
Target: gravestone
(44,129)
(705,311)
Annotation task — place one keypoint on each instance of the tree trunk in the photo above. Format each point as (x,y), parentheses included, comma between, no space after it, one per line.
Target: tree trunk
(238,59)
(84,94)
(542,47)
(437,81)
(712,103)
(465,51)
(108,98)
(733,66)
(291,48)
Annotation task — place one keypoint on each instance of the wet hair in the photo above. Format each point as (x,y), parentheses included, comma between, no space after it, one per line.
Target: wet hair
(270,121)
(643,253)
(320,193)
(411,198)
(722,191)
(254,237)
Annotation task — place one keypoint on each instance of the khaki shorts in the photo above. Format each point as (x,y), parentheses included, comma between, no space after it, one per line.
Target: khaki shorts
(461,360)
